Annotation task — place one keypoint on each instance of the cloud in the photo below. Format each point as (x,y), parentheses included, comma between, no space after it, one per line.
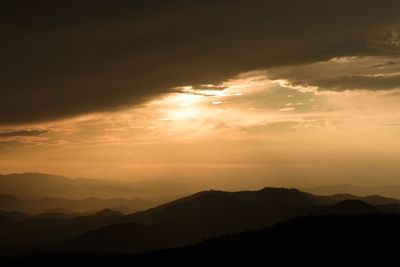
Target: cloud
(22,133)
(340,74)
(66,58)
(359,82)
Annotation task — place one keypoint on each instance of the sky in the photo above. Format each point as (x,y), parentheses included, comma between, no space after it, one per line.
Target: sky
(234,93)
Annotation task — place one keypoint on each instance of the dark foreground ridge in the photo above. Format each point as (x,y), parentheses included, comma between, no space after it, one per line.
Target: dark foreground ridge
(314,240)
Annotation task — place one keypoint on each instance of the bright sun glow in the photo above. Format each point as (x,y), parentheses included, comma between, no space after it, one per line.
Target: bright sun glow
(189,102)
(184,100)
(182,106)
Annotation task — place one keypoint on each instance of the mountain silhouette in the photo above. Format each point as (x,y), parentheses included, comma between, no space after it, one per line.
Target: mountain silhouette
(14,216)
(206,214)
(63,205)
(178,223)
(132,237)
(389,191)
(311,240)
(351,206)
(36,229)
(268,205)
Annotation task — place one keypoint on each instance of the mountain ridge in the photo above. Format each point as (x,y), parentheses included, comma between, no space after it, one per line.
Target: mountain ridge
(183,221)
(209,213)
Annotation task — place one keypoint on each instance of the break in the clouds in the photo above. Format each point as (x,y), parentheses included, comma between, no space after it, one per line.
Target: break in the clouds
(66,58)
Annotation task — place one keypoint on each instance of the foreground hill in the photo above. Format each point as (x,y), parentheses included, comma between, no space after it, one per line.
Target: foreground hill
(329,237)
(310,240)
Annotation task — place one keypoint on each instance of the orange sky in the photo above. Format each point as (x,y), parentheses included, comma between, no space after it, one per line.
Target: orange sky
(279,126)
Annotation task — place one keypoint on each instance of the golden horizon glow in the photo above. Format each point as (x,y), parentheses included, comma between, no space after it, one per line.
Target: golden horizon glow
(262,127)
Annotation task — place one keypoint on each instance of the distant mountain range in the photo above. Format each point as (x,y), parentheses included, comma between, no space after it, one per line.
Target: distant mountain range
(46,214)
(392,191)
(63,205)
(181,222)
(37,185)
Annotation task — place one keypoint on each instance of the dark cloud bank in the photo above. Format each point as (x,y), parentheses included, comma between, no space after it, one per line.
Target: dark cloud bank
(63,58)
